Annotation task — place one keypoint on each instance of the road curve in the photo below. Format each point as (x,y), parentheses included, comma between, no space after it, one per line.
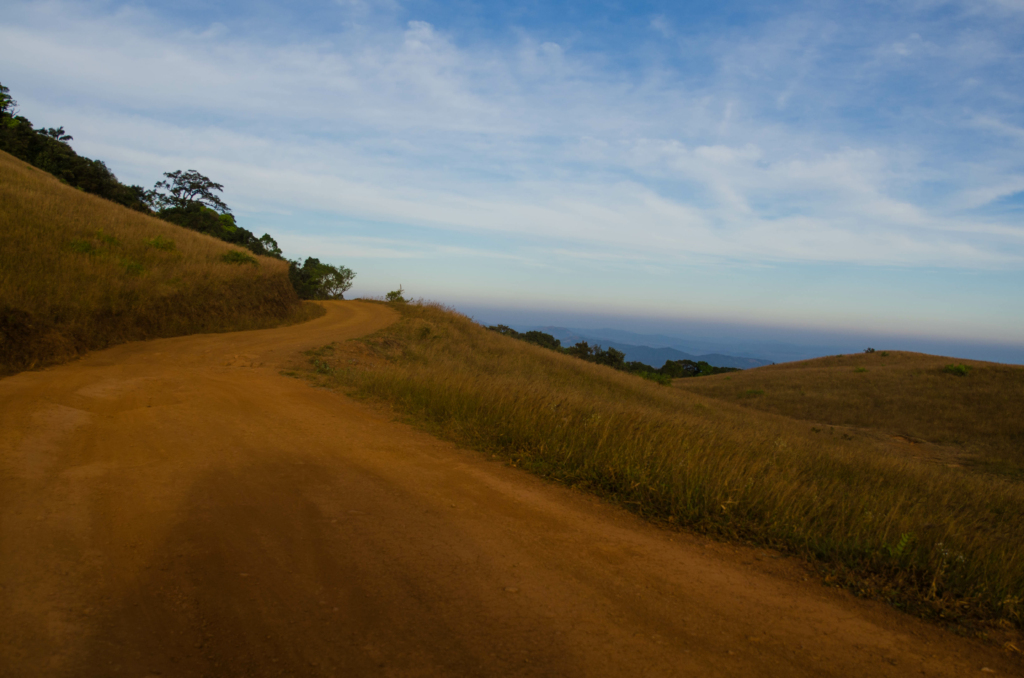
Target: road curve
(179,508)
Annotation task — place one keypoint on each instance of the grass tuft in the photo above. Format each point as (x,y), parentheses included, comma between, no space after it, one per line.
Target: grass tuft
(161,243)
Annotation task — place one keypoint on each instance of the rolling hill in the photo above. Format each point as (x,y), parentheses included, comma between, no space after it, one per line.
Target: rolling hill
(968,412)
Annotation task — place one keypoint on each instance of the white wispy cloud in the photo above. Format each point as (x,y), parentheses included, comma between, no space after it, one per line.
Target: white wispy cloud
(403,124)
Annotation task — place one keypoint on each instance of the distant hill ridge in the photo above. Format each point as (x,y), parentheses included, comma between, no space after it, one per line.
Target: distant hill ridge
(655,357)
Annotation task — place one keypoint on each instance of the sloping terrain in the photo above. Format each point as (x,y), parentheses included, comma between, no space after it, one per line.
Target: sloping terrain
(179,508)
(935,539)
(78,272)
(972,410)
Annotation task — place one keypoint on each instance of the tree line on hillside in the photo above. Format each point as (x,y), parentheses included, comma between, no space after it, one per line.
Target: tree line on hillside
(672,369)
(186,198)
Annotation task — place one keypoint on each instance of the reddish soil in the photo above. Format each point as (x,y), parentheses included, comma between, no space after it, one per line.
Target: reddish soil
(180,508)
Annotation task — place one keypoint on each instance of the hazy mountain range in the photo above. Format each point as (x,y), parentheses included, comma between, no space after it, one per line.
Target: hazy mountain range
(636,347)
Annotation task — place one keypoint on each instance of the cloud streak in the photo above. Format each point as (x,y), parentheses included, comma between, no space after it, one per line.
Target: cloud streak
(388,121)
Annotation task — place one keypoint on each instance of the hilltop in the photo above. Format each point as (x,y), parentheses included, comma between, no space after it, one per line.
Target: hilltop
(965,412)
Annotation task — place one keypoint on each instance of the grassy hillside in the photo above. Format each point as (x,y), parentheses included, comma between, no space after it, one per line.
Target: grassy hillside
(78,272)
(977,414)
(940,541)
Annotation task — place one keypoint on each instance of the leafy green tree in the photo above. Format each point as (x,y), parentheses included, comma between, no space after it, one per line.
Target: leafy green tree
(637,366)
(57,134)
(610,357)
(317,280)
(581,350)
(271,248)
(680,368)
(505,330)
(542,339)
(336,282)
(8,106)
(395,295)
(184,190)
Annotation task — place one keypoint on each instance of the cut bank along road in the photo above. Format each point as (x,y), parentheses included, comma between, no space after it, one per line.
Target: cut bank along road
(179,508)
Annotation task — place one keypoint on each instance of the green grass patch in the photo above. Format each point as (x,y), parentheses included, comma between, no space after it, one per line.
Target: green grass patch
(161,243)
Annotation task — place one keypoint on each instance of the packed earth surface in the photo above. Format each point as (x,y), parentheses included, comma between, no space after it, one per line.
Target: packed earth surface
(180,507)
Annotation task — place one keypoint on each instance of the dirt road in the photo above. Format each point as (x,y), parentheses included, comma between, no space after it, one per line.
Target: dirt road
(180,508)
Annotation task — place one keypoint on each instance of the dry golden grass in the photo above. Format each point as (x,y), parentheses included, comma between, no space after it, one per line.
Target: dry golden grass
(977,417)
(942,542)
(78,272)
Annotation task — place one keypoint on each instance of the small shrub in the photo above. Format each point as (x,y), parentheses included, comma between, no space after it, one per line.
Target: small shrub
(869,350)
(861,369)
(395,295)
(752,393)
(238,257)
(884,354)
(958,370)
(161,243)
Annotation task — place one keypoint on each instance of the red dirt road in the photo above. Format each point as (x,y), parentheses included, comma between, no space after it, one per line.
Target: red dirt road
(179,508)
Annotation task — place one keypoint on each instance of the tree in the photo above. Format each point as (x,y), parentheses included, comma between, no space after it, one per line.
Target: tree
(395,295)
(541,339)
(336,281)
(317,280)
(581,350)
(610,357)
(504,330)
(187,189)
(59,134)
(271,248)
(8,106)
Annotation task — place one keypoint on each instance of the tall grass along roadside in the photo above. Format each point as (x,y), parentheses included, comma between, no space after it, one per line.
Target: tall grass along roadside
(939,542)
(78,272)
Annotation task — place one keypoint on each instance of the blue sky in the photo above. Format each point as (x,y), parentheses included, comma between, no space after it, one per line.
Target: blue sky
(851,167)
